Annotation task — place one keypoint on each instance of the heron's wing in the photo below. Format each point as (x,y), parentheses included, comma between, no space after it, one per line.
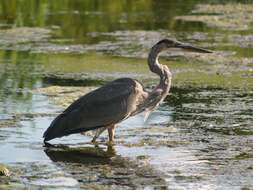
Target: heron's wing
(104,106)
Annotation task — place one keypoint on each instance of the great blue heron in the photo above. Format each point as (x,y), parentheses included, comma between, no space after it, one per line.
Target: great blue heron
(116,101)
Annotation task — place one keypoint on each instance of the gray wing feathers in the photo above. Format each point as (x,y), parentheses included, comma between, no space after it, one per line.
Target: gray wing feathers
(104,106)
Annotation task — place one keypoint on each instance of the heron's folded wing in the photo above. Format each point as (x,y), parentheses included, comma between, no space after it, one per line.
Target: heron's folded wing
(104,106)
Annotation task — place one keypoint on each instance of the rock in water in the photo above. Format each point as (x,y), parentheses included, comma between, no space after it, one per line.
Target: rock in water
(4,171)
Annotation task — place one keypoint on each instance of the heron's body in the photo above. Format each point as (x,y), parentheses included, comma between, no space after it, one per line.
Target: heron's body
(102,107)
(118,100)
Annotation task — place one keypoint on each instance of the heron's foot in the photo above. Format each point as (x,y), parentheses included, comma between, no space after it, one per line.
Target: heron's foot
(110,143)
(97,134)
(48,145)
(94,141)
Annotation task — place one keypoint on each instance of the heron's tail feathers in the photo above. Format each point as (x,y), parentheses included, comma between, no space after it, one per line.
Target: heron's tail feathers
(61,126)
(56,129)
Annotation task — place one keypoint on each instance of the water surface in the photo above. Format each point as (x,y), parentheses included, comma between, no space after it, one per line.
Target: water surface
(199,138)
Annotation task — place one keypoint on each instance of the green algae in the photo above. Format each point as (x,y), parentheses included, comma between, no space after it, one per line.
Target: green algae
(63,96)
(243,155)
(93,62)
(198,70)
(8,123)
(185,73)
(237,80)
(155,143)
(19,35)
(230,16)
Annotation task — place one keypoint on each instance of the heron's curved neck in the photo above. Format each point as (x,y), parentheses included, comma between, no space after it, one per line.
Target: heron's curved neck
(153,62)
(155,66)
(157,95)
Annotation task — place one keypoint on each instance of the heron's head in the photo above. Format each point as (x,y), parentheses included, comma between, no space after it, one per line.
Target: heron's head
(169,43)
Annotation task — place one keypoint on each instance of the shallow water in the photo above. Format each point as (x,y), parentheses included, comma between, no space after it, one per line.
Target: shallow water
(202,143)
(201,137)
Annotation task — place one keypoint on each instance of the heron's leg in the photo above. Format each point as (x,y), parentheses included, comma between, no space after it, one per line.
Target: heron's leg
(98,132)
(111,132)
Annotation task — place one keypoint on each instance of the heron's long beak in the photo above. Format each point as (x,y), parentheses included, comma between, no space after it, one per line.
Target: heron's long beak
(191,48)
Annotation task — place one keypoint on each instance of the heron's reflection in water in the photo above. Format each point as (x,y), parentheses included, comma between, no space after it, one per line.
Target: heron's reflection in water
(83,155)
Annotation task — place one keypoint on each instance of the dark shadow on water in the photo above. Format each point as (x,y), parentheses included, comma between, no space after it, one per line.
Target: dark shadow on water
(54,80)
(84,155)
